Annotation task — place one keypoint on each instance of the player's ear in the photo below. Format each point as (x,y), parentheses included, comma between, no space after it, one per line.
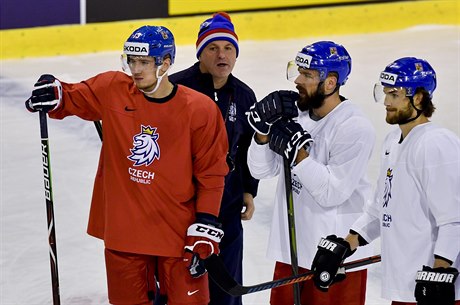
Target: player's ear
(330,82)
(418,97)
(166,64)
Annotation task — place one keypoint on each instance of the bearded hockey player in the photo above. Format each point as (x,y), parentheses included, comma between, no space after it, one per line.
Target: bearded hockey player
(416,207)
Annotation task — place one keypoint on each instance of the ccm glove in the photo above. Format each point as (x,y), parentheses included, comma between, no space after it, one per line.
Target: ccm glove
(331,253)
(271,108)
(47,94)
(203,238)
(435,286)
(287,137)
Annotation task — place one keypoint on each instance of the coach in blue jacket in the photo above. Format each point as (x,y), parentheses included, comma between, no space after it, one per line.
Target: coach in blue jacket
(217,50)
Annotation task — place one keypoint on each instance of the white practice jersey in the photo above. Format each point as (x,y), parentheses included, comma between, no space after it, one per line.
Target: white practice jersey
(417,199)
(329,187)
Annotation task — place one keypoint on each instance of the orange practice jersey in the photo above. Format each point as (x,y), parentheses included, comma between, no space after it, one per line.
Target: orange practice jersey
(162,161)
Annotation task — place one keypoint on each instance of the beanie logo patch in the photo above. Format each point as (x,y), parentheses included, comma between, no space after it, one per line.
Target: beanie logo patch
(205,25)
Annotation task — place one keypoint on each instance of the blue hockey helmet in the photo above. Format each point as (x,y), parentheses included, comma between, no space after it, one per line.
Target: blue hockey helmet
(325,57)
(409,73)
(155,41)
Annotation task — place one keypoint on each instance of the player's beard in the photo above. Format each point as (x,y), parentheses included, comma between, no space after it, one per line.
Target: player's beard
(310,101)
(401,116)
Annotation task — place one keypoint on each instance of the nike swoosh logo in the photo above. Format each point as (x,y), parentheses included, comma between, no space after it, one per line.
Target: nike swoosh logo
(129,109)
(387,152)
(189,293)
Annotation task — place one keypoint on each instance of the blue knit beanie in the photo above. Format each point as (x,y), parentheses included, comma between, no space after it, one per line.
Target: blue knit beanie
(219,27)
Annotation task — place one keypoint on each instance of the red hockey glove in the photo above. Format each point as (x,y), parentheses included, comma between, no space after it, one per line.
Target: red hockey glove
(46,96)
(203,238)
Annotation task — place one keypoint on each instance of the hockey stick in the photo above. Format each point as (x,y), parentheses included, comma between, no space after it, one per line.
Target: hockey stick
(49,207)
(222,278)
(291,225)
(98,126)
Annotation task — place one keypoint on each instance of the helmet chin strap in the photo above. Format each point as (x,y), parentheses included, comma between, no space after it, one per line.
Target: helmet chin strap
(159,78)
(419,112)
(327,95)
(334,91)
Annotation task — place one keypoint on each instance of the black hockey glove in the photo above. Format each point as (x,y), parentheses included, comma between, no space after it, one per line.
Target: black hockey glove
(271,108)
(47,94)
(332,251)
(203,238)
(287,137)
(435,286)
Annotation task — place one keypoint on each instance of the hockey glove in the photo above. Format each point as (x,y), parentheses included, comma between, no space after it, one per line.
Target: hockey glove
(271,108)
(331,253)
(287,137)
(203,238)
(435,286)
(47,94)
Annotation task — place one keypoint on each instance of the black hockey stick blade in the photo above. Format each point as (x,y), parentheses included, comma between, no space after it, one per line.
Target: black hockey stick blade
(220,276)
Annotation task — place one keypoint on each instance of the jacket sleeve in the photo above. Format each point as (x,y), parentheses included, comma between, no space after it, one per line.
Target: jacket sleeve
(250,184)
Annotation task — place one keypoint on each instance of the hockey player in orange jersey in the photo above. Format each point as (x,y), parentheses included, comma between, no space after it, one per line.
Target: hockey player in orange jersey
(161,173)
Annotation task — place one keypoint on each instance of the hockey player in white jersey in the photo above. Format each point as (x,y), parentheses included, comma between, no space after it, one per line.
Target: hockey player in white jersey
(329,185)
(416,207)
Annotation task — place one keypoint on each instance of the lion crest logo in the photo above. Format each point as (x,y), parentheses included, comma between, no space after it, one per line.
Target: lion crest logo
(146,148)
(387,191)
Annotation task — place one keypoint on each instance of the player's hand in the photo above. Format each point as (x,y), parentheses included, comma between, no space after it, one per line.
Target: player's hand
(276,105)
(47,94)
(287,137)
(435,286)
(331,253)
(203,238)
